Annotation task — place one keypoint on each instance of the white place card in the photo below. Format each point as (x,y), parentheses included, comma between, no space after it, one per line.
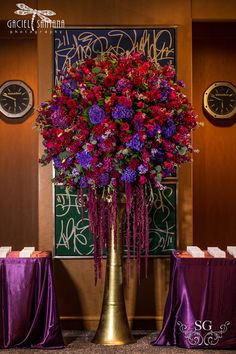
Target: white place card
(232,250)
(32,249)
(3,254)
(4,251)
(216,252)
(26,252)
(195,251)
(6,248)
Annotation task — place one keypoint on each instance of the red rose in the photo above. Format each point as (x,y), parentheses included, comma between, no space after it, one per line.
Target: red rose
(90,62)
(90,147)
(126,101)
(134,163)
(168,165)
(124,126)
(71,103)
(98,130)
(110,80)
(141,104)
(50,145)
(125,137)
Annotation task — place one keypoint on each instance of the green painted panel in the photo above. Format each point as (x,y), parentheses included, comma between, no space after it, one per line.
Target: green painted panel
(74,239)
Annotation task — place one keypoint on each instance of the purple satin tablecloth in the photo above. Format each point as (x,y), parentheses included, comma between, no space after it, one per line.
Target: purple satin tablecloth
(28,308)
(200,310)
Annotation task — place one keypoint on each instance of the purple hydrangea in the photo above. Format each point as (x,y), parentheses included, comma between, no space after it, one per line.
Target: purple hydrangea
(104,179)
(129,175)
(122,84)
(169,129)
(122,112)
(84,159)
(135,143)
(154,131)
(68,87)
(96,114)
(58,120)
(142,169)
(83,182)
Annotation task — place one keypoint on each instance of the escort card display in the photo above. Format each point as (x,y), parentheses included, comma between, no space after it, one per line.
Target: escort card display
(216,252)
(195,251)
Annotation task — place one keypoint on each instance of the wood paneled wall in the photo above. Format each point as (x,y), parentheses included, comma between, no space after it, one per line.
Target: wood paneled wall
(214,57)
(19,150)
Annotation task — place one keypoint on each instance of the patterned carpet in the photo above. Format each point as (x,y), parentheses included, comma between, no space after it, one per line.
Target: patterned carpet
(80,342)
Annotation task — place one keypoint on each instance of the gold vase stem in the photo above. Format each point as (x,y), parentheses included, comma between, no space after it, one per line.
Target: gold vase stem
(113,328)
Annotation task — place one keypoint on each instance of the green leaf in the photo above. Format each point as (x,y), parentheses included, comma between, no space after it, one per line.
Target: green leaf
(159,177)
(182,150)
(158,168)
(79,168)
(101,76)
(63,155)
(96,70)
(125,151)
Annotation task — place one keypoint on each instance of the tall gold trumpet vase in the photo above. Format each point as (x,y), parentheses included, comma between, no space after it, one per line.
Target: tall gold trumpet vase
(113,328)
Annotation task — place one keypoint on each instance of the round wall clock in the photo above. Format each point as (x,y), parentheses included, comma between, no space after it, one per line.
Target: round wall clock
(16,99)
(220,100)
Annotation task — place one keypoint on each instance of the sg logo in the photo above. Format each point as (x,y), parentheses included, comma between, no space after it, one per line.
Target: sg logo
(206,325)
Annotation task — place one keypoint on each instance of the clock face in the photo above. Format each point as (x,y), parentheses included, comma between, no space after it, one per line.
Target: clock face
(220,100)
(16,99)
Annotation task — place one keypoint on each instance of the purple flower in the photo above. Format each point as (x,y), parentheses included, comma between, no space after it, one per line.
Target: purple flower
(69,161)
(181,83)
(83,159)
(75,172)
(142,169)
(154,151)
(135,143)
(58,120)
(160,156)
(83,182)
(164,96)
(122,112)
(96,114)
(167,172)
(129,175)
(104,179)
(57,162)
(169,129)
(122,84)
(68,87)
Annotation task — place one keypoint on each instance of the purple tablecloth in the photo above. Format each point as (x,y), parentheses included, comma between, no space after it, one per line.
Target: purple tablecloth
(200,310)
(28,309)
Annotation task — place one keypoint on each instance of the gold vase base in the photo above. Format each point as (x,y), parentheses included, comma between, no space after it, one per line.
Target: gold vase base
(113,328)
(115,341)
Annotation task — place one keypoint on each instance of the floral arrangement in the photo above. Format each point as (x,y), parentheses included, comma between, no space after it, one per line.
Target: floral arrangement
(116,124)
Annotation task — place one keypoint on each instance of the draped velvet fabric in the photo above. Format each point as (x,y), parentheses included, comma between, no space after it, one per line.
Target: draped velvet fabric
(200,311)
(28,308)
